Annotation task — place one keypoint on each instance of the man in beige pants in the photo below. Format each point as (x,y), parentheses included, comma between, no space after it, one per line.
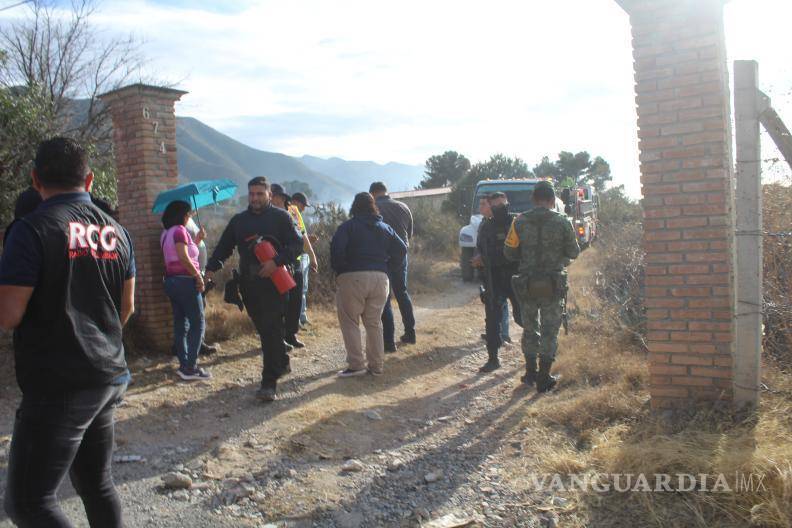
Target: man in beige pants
(362,252)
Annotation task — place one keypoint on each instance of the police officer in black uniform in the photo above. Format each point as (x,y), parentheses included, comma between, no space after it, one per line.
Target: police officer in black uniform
(265,306)
(67,281)
(497,274)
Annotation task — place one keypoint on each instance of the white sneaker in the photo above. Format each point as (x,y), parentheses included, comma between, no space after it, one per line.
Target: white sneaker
(194,374)
(348,373)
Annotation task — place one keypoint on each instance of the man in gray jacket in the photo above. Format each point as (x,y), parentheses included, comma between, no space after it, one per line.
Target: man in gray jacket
(397,215)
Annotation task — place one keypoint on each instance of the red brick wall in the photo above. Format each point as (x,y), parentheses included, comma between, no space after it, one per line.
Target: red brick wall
(682,94)
(144,124)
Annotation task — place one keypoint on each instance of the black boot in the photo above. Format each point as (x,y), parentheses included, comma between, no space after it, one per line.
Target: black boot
(408,338)
(267,391)
(545,381)
(530,372)
(293,341)
(492,363)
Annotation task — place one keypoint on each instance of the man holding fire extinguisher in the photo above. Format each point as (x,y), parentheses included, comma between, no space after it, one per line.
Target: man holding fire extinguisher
(260,277)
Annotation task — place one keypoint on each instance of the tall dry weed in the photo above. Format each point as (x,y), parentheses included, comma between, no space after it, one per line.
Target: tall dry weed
(777,284)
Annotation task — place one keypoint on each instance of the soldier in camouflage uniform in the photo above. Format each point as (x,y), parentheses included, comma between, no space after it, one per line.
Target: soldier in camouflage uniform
(543,242)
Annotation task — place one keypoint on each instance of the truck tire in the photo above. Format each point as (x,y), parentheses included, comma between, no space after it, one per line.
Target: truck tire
(464,263)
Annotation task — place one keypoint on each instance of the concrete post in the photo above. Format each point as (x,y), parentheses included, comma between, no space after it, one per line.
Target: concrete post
(748,337)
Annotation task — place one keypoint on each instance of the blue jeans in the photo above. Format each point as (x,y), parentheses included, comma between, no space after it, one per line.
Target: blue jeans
(505,319)
(398,287)
(188,319)
(62,432)
(305,263)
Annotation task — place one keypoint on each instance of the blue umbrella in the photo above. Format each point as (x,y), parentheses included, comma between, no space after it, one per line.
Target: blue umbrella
(198,194)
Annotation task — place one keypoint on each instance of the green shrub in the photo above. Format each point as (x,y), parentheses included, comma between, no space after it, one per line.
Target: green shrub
(435,232)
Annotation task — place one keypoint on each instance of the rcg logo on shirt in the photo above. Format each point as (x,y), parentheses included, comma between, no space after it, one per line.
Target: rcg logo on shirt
(92,240)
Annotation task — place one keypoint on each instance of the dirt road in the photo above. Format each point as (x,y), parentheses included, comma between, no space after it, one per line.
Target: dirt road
(429,438)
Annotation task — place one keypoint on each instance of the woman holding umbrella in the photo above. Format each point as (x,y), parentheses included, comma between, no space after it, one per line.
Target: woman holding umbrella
(183,285)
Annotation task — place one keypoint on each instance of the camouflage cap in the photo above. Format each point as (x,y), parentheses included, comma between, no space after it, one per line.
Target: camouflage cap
(543,191)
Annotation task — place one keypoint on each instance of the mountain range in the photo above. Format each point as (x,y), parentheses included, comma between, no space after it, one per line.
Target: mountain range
(204,153)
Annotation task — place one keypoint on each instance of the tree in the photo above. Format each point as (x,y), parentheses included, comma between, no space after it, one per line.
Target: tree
(293,186)
(24,122)
(444,169)
(67,59)
(617,209)
(599,174)
(547,169)
(498,167)
(59,65)
(571,169)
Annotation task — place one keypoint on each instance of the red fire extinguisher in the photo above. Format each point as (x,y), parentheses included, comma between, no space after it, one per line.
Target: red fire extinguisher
(281,277)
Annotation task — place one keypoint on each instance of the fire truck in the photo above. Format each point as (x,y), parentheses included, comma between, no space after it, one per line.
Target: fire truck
(580,205)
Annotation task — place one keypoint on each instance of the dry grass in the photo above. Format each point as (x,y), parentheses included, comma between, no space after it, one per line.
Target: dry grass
(604,425)
(710,444)
(225,321)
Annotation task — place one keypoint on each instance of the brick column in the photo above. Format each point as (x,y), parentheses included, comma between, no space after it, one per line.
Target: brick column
(682,94)
(144,143)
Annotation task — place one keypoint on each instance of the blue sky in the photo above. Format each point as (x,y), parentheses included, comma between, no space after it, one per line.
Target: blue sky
(401,81)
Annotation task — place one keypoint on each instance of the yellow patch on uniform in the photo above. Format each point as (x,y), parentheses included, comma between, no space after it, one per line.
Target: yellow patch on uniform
(513,239)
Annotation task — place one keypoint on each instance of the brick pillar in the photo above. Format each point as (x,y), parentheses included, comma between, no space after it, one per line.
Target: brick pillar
(682,94)
(144,142)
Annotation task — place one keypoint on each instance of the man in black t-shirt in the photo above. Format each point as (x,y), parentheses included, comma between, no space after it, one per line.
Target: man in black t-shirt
(67,279)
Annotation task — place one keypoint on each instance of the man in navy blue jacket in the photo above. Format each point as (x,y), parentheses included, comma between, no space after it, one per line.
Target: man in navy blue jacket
(363,251)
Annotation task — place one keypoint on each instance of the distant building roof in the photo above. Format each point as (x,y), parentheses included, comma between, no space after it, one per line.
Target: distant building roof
(421,192)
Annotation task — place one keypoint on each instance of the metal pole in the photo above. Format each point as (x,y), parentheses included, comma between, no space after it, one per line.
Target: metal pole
(748,326)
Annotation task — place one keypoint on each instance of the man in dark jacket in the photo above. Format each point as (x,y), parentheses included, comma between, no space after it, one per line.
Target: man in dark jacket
(398,216)
(497,273)
(265,306)
(363,250)
(67,281)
